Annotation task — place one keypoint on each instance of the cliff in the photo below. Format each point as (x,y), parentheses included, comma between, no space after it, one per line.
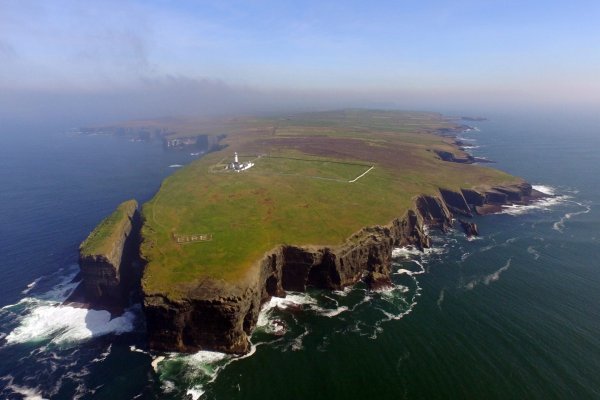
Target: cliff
(106,257)
(218,315)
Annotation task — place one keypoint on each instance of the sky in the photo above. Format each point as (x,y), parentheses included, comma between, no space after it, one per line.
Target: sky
(129,59)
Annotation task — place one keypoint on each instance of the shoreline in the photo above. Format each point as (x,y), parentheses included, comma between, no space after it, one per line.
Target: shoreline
(366,256)
(220,315)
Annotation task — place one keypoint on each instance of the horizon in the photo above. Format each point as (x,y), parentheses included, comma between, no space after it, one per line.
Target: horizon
(107,61)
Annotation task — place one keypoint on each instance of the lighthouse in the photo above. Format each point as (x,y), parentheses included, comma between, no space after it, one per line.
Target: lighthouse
(237,166)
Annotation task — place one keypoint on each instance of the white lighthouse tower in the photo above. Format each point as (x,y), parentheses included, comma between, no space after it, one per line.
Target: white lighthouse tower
(237,166)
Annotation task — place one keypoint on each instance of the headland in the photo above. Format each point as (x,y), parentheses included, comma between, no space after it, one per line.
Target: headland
(327,197)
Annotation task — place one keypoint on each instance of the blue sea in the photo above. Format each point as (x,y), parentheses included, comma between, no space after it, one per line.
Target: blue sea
(514,313)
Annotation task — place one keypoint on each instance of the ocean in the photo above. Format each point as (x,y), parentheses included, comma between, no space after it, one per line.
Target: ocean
(514,313)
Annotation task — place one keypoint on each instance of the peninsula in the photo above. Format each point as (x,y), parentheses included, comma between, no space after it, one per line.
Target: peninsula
(314,199)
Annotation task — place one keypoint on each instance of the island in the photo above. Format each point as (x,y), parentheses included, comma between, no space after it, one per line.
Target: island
(306,200)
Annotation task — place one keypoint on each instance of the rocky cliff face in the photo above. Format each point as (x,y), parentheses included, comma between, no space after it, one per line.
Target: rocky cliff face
(107,277)
(220,316)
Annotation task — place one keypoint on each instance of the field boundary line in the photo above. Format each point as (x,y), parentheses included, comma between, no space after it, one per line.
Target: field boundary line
(361,175)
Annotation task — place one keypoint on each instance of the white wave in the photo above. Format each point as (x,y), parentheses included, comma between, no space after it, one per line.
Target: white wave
(539,205)
(390,290)
(560,224)
(203,365)
(195,392)
(549,190)
(411,252)
(103,355)
(440,299)
(422,270)
(63,324)
(487,279)
(344,292)
(204,357)
(292,300)
(156,361)
(27,393)
(334,312)
(470,147)
(406,252)
(167,386)
(136,350)
(175,166)
(533,252)
(31,285)
(404,271)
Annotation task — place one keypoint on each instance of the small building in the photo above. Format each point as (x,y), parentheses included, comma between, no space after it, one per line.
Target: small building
(238,166)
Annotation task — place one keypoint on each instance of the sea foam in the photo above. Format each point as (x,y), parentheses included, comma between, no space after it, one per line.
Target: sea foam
(487,279)
(560,224)
(63,324)
(545,204)
(549,190)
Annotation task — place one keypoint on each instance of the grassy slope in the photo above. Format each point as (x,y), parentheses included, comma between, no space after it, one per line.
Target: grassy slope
(102,238)
(251,212)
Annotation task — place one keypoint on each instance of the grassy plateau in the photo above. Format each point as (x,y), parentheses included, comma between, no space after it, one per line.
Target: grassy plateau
(103,237)
(317,178)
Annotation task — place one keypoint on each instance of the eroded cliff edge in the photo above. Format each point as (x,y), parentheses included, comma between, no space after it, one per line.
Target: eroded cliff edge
(106,259)
(218,315)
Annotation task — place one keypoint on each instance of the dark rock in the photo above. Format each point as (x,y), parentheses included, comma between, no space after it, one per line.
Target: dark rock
(434,212)
(470,228)
(450,157)
(455,202)
(473,197)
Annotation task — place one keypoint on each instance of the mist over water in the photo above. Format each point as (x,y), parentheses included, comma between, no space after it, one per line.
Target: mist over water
(513,314)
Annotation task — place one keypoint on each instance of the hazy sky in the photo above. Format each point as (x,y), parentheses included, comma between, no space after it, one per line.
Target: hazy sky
(158,57)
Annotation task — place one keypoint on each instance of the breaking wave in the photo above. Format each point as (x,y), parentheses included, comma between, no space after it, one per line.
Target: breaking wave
(487,279)
(63,324)
(549,190)
(545,204)
(560,224)
(43,317)
(288,324)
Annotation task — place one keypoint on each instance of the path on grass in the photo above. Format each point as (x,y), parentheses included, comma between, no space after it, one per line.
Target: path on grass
(361,175)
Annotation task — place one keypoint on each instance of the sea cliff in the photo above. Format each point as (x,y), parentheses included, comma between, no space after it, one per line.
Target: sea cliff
(217,315)
(106,257)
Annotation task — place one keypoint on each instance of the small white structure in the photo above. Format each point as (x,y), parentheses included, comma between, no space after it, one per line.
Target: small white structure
(237,166)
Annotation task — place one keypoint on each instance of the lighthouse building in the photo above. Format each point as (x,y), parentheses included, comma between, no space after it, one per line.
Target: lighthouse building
(237,166)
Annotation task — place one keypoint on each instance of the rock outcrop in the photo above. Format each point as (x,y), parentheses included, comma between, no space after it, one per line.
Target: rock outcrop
(106,258)
(470,228)
(220,316)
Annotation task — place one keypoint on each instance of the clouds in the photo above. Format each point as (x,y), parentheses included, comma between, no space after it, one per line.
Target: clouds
(186,56)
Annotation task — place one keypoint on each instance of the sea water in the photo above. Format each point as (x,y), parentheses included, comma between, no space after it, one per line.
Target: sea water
(512,314)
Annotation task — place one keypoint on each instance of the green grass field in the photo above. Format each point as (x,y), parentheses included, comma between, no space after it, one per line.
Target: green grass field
(101,240)
(299,195)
